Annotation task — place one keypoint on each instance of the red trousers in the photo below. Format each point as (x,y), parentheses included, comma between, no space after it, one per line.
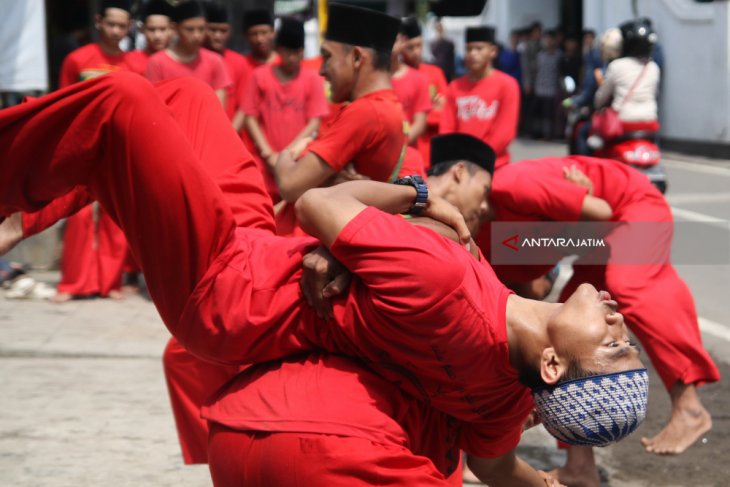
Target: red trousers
(255,459)
(655,301)
(94,253)
(190,383)
(104,134)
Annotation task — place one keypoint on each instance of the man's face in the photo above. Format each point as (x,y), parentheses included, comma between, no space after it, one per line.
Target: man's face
(290,59)
(588,328)
(217,35)
(339,68)
(261,40)
(113,26)
(469,193)
(479,55)
(588,40)
(191,32)
(412,51)
(157,32)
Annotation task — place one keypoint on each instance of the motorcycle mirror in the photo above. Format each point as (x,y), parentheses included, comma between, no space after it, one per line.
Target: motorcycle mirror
(568,85)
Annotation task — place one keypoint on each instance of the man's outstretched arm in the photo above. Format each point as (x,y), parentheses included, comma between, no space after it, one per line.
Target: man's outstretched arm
(324,212)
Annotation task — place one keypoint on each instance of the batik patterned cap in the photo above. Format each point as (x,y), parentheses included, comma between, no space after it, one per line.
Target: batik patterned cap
(594,411)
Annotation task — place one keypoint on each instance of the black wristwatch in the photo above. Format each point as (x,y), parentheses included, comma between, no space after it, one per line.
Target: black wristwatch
(421,193)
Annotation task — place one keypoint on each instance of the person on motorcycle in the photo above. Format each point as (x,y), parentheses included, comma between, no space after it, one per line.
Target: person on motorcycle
(610,49)
(635,74)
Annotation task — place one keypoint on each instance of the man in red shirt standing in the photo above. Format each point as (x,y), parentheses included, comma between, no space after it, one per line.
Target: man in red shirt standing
(218,32)
(156,18)
(284,103)
(422,311)
(412,55)
(186,57)
(94,248)
(412,90)
(367,131)
(258,29)
(485,102)
(657,303)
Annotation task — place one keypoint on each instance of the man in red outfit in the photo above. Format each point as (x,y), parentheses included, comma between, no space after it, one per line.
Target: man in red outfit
(367,132)
(485,102)
(284,104)
(412,55)
(155,19)
(94,249)
(412,90)
(186,57)
(218,32)
(658,305)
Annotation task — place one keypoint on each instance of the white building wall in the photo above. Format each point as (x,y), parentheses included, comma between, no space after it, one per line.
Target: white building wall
(695,99)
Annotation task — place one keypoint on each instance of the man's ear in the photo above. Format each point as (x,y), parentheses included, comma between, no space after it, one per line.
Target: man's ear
(552,367)
(358,56)
(459,172)
(97,21)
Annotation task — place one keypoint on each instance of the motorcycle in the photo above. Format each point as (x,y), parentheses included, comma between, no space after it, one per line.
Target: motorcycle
(637,149)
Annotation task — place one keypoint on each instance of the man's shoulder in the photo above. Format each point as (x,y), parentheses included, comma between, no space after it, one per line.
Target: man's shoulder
(84,52)
(209,57)
(233,56)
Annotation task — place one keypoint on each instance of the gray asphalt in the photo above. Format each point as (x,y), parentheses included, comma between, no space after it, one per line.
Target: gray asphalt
(83,398)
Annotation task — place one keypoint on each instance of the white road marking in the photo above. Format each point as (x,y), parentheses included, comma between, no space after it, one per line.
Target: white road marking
(698,217)
(697,167)
(690,198)
(714,329)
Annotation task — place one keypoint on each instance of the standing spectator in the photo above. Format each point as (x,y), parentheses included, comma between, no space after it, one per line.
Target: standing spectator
(94,248)
(529,73)
(546,86)
(444,52)
(218,32)
(283,103)
(591,54)
(258,29)
(411,87)
(412,55)
(484,103)
(156,18)
(509,58)
(186,57)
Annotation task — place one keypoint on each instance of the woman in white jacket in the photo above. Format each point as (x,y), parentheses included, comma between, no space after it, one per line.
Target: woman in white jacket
(636,75)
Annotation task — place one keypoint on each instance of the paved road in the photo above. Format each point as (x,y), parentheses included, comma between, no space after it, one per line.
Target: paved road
(83,400)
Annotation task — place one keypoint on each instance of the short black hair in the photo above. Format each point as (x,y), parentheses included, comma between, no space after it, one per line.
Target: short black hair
(443,167)
(381,60)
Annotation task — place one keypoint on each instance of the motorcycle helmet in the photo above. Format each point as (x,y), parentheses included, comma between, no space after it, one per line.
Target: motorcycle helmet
(638,37)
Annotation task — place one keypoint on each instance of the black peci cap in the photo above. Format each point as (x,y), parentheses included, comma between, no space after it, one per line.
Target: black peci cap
(462,147)
(125,5)
(361,27)
(259,16)
(216,13)
(188,10)
(156,7)
(410,27)
(290,33)
(480,34)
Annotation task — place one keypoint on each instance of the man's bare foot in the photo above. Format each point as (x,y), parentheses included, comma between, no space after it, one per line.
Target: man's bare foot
(116,294)
(689,421)
(61,298)
(130,290)
(11,232)
(579,470)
